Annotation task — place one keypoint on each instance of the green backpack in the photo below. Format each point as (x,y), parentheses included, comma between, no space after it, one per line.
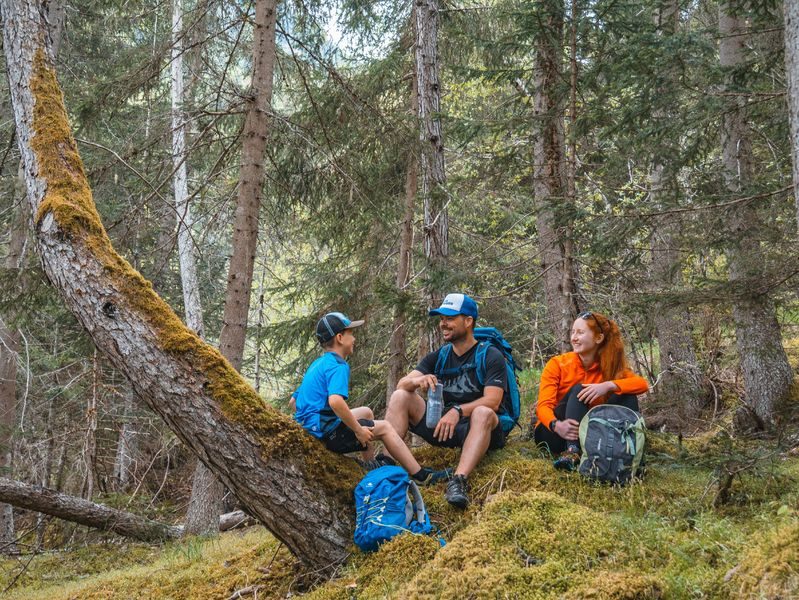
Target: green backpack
(612,438)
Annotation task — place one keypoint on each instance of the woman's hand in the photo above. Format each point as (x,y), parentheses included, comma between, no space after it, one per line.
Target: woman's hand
(593,391)
(568,429)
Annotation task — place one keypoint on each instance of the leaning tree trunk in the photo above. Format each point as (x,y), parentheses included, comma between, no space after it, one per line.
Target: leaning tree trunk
(431,160)
(251,181)
(791,15)
(78,510)
(680,381)
(549,177)
(285,478)
(766,372)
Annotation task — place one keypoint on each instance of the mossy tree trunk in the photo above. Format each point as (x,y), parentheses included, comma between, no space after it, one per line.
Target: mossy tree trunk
(286,479)
(766,372)
(549,175)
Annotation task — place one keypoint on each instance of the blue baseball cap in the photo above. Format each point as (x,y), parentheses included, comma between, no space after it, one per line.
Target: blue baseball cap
(333,323)
(456,304)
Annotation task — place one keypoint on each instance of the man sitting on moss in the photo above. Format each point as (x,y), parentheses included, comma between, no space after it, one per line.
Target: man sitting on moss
(321,404)
(470,419)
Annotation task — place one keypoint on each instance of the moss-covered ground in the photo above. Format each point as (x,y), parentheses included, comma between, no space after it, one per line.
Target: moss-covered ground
(531,532)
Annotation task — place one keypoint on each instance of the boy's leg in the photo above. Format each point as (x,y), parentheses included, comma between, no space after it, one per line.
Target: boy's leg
(395,446)
(482,422)
(360,413)
(363,412)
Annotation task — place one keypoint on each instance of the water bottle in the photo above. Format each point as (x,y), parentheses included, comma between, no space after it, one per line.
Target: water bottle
(435,405)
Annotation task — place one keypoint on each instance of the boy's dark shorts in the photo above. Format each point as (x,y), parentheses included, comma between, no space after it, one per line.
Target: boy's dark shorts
(342,439)
(461,431)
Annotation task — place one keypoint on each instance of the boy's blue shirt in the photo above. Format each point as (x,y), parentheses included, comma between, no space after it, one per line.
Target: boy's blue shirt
(329,374)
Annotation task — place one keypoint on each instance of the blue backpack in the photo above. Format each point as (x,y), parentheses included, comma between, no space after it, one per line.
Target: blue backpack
(384,509)
(487,337)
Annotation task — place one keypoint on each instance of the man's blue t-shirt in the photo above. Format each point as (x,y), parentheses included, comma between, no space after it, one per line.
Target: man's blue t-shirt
(329,374)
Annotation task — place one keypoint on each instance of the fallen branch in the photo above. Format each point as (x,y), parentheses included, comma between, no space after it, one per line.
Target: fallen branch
(78,510)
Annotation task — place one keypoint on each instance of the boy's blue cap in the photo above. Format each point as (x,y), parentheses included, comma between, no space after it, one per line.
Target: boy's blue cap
(333,323)
(456,304)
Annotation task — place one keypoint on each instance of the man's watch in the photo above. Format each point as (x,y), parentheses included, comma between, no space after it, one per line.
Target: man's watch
(552,424)
(459,409)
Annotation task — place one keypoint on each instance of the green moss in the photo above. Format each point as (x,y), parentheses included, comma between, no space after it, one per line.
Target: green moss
(619,585)
(214,569)
(770,567)
(381,574)
(529,545)
(69,199)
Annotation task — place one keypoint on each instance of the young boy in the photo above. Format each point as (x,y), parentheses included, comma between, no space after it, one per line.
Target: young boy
(321,404)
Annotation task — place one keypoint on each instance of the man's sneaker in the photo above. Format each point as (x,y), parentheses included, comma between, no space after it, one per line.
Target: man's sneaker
(433,477)
(457,491)
(567,461)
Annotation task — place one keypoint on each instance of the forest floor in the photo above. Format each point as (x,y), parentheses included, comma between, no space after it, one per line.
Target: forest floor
(713,518)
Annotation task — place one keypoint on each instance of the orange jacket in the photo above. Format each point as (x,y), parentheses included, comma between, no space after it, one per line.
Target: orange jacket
(565,370)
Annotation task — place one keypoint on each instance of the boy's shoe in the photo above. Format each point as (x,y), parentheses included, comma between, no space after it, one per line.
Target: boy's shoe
(567,461)
(434,477)
(457,491)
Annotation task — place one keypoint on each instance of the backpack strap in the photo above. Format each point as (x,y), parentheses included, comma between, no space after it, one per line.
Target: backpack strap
(480,361)
(443,355)
(418,502)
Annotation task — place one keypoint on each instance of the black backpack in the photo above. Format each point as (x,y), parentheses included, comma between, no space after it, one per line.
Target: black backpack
(612,438)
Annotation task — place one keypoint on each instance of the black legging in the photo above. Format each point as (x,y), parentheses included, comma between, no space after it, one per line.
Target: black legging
(570,407)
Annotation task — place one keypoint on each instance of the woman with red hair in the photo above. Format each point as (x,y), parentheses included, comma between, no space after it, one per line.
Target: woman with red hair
(596,372)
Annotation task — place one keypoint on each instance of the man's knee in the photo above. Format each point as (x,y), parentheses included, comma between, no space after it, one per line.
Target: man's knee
(401,402)
(484,418)
(382,428)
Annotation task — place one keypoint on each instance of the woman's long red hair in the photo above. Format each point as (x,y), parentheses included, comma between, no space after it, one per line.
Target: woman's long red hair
(610,354)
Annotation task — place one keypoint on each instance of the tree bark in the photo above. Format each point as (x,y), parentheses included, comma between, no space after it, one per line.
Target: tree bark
(251,181)
(205,503)
(89,454)
(549,176)
(286,479)
(431,160)
(126,446)
(78,510)
(9,345)
(680,382)
(766,372)
(397,366)
(791,35)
